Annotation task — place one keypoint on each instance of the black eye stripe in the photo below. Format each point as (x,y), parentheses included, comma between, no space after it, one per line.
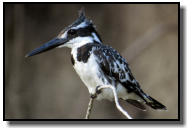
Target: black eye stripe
(82,32)
(85,31)
(72,32)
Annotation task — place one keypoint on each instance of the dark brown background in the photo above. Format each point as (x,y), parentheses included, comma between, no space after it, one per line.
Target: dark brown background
(46,86)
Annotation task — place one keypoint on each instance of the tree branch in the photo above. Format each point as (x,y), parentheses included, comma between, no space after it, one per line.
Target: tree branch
(90,106)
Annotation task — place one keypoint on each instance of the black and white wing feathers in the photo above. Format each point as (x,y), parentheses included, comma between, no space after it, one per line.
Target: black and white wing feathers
(115,66)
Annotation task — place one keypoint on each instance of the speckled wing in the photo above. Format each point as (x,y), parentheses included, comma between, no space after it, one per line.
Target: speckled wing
(116,67)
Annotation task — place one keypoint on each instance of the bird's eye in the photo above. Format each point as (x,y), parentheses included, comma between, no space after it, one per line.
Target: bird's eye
(71,32)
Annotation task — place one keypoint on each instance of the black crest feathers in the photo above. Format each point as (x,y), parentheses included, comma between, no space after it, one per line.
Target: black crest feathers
(82,13)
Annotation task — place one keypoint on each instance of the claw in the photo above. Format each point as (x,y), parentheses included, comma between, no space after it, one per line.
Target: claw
(98,91)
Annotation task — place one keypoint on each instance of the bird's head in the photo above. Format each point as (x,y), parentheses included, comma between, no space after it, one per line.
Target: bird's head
(80,32)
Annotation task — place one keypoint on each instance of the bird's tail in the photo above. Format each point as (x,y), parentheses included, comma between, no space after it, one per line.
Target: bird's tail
(152,102)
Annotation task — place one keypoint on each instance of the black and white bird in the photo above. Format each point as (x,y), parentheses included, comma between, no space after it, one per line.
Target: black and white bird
(98,64)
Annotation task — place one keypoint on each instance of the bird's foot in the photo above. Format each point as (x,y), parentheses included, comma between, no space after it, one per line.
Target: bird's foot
(97,92)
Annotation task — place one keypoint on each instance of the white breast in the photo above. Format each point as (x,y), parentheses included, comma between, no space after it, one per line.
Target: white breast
(87,71)
(89,74)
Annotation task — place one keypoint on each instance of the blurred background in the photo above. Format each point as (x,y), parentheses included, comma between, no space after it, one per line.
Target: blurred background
(46,86)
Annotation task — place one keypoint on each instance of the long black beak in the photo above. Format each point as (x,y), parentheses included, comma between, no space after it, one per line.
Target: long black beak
(47,46)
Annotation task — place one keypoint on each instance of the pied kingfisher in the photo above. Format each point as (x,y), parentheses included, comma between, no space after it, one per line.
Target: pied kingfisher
(98,64)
